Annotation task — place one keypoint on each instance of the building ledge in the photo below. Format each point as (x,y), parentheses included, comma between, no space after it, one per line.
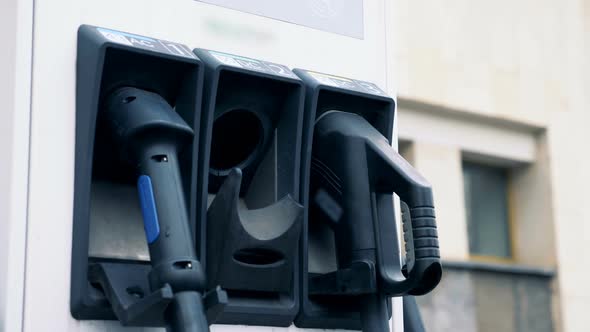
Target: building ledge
(505,268)
(480,137)
(469,115)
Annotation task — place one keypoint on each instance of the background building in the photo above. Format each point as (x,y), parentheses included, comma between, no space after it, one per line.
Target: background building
(493,109)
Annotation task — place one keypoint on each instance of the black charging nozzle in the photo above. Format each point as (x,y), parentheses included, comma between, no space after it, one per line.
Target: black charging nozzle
(354,172)
(148,134)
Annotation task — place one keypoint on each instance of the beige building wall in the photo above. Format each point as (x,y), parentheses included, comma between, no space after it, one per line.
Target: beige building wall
(524,62)
(442,165)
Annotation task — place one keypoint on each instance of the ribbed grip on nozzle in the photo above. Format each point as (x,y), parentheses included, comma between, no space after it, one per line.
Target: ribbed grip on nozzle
(422,249)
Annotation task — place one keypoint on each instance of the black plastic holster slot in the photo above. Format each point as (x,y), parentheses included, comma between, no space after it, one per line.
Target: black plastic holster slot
(251,143)
(351,262)
(108,281)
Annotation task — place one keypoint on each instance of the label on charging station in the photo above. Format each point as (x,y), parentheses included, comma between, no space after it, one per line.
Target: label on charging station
(253,64)
(347,83)
(344,17)
(147,43)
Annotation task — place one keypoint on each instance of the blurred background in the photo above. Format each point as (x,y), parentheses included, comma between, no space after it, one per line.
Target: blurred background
(494,110)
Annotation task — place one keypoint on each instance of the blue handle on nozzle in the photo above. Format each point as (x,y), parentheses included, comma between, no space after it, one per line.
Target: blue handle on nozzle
(148,208)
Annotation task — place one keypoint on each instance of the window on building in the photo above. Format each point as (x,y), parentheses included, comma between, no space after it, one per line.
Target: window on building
(486,203)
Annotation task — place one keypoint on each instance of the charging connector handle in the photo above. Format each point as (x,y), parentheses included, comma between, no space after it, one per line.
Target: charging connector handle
(149,134)
(356,166)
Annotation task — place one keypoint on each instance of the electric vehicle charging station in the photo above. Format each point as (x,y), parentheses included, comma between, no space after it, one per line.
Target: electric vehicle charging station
(254,52)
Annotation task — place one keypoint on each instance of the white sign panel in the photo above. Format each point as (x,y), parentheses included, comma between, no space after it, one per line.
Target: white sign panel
(343,17)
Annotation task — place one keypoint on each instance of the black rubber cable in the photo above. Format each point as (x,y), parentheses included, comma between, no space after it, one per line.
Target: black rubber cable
(374,315)
(186,313)
(412,319)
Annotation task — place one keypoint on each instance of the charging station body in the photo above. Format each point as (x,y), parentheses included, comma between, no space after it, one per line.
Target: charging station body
(59,267)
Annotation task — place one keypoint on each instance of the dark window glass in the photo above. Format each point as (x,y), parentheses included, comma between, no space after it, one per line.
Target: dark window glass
(486,203)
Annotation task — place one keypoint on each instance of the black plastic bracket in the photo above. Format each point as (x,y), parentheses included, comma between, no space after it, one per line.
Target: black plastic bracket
(137,305)
(242,243)
(251,145)
(360,278)
(133,305)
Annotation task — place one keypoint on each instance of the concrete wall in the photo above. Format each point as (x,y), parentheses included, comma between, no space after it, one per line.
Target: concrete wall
(480,300)
(501,58)
(524,61)
(441,164)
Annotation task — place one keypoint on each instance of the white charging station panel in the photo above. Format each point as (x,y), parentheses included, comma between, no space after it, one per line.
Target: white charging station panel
(345,38)
(344,17)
